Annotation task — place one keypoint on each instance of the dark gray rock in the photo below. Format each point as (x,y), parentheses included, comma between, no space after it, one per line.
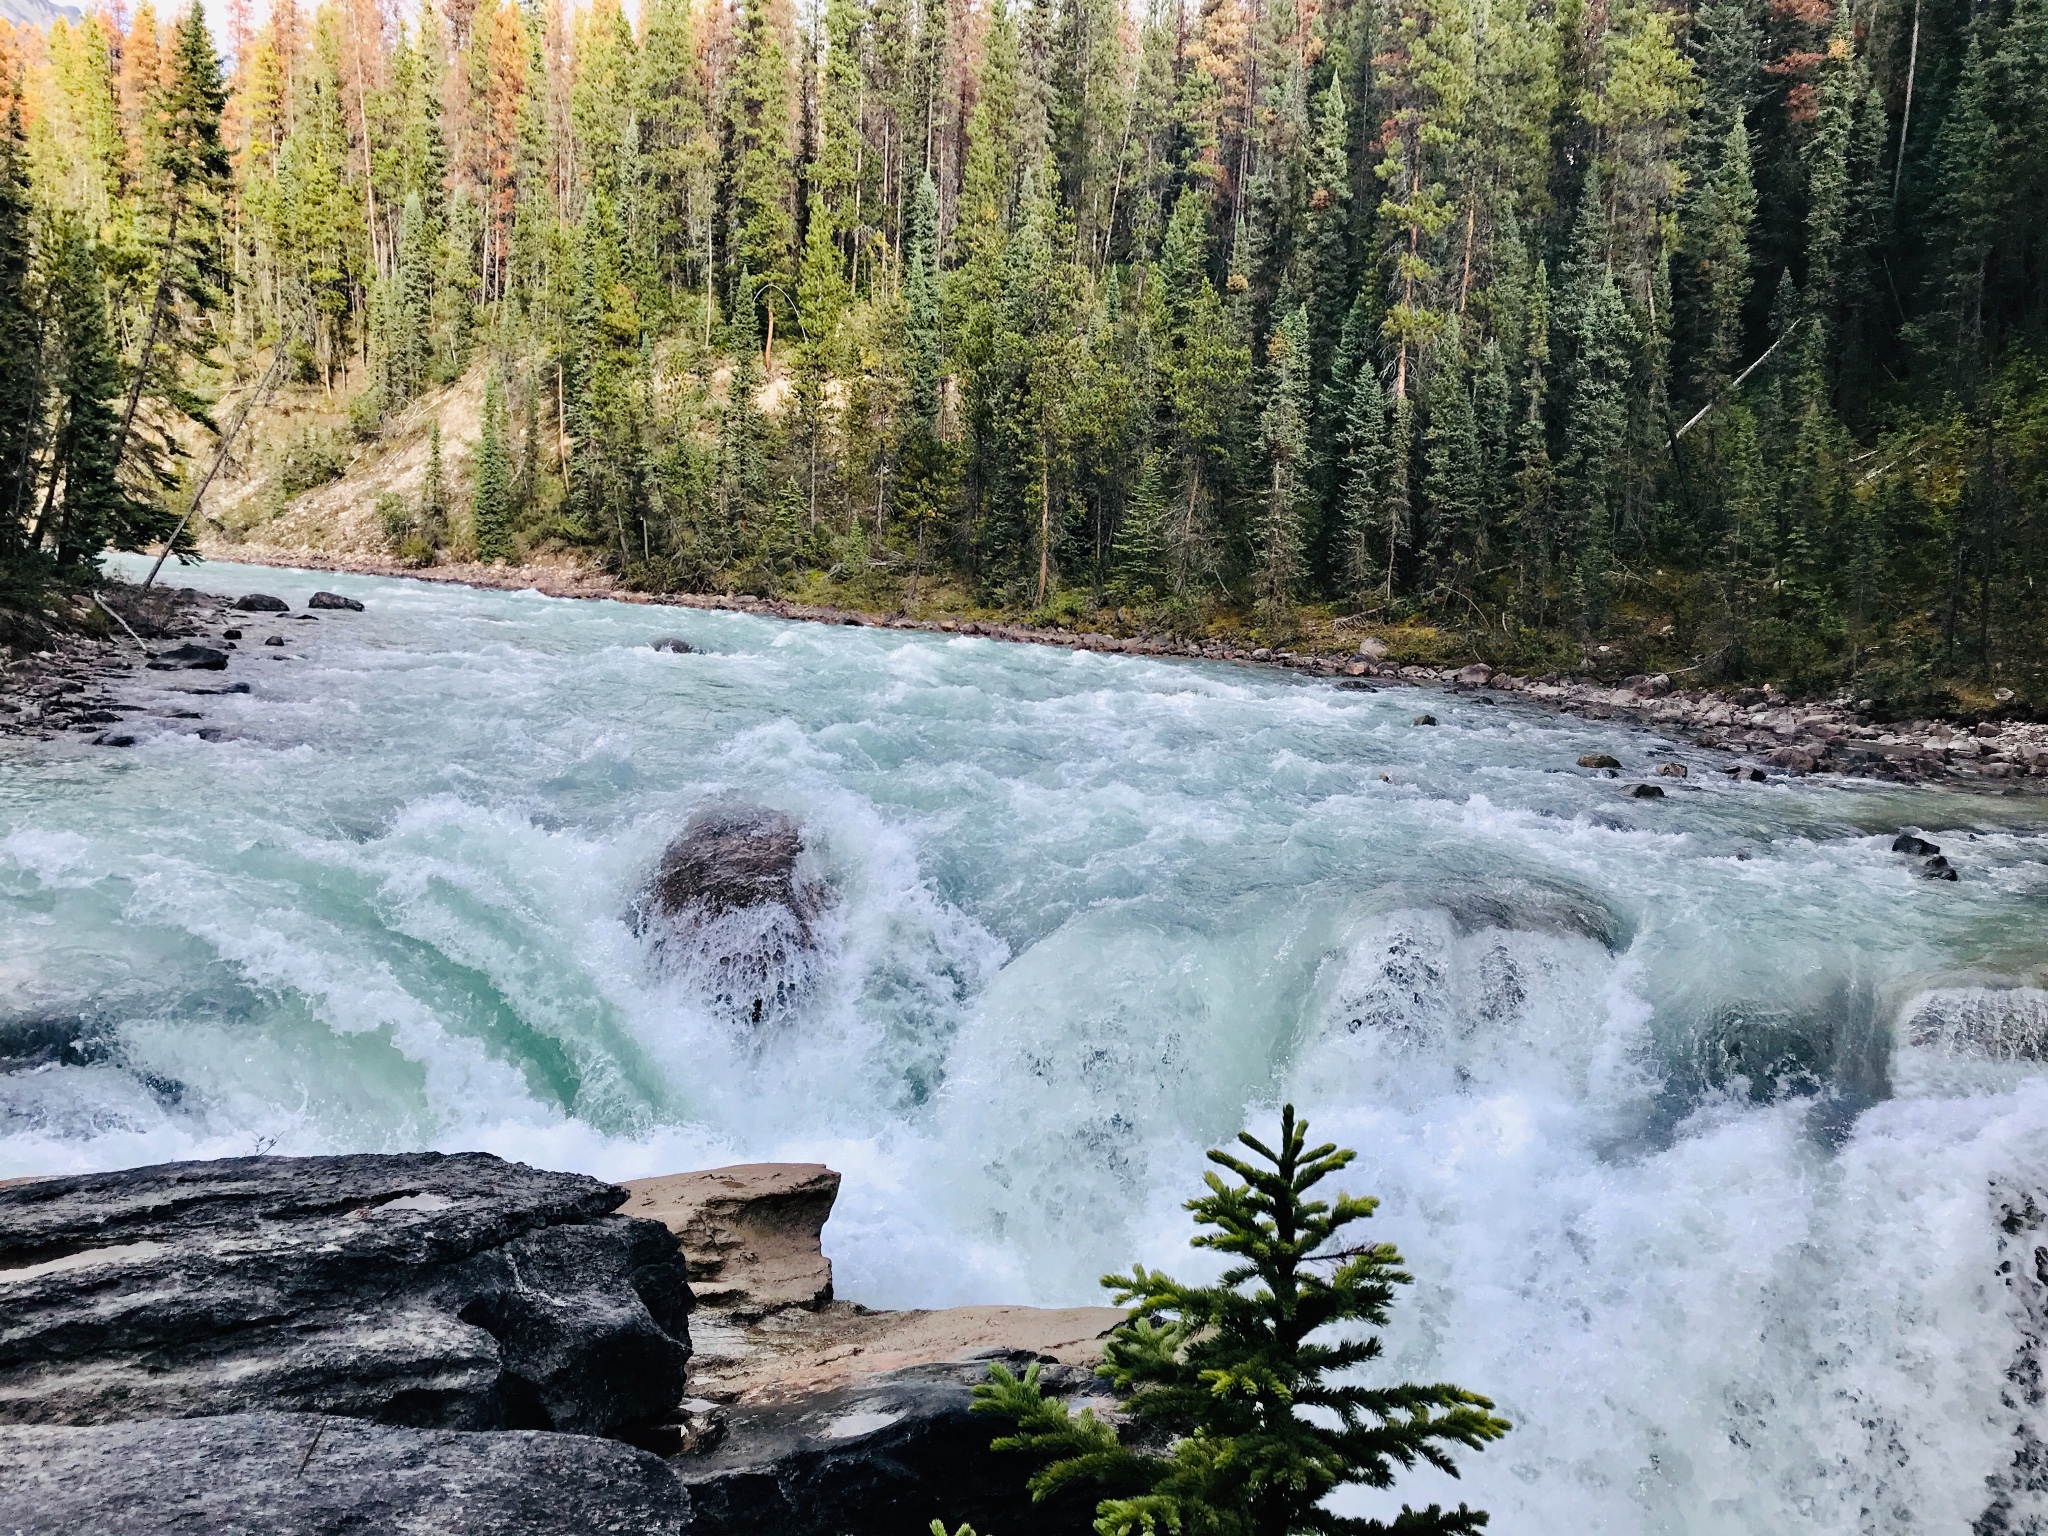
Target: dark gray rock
(275,1474)
(190,658)
(675,643)
(733,907)
(1938,868)
(333,600)
(273,639)
(1425,719)
(261,602)
(876,1460)
(1919,847)
(458,1292)
(1646,792)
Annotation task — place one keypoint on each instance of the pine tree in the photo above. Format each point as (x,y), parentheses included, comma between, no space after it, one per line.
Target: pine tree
(1214,1377)
(491,504)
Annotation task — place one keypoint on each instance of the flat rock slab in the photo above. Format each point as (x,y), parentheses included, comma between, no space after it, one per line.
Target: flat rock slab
(790,1355)
(883,1459)
(751,1231)
(275,1474)
(450,1292)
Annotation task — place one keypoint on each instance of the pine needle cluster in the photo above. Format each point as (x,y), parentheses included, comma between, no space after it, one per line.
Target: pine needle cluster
(1243,1402)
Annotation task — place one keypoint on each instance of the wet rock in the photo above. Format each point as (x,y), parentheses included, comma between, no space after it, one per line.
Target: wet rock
(334,600)
(879,1459)
(1425,719)
(457,1292)
(1646,792)
(751,1233)
(113,741)
(1994,1023)
(260,602)
(1599,760)
(1919,847)
(733,907)
(1794,759)
(675,643)
(276,1474)
(190,658)
(1478,675)
(273,639)
(231,634)
(1673,770)
(1938,868)
(2019,1490)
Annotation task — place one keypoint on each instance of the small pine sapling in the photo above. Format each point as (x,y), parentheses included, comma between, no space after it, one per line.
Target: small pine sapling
(1214,1379)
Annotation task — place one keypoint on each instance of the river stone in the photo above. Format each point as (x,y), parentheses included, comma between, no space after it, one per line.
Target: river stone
(880,1459)
(333,600)
(1599,760)
(1425,719)
(261,602)
(1646,792)
(277,1474)
(733,907)
(675,643)
(450,1292)
(190,658)
(1919,847)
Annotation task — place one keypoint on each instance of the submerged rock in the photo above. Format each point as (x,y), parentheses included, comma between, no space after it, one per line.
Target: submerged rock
(333,600)
(675,643)
(276,1474)
(733,907)
(1919,847)
(190,658)
(1646,792)
(457,1292)
(1996,1023)
(261,602)
(1599,760)
(1425,719)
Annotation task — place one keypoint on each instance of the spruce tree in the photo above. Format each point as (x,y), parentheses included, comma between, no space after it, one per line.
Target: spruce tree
(922,339)
(1455,480)
(21,343)
(188,178)
(1282,533)
(491,504)
(1363,508)
(1214,1378)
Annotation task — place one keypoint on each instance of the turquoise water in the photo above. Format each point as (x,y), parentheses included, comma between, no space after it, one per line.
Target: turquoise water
(1637,1081)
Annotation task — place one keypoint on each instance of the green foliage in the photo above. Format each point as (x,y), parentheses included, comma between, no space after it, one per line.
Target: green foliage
(1215,1378)
(491,497)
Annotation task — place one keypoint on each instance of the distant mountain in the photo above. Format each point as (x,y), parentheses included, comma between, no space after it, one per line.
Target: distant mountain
(36,13)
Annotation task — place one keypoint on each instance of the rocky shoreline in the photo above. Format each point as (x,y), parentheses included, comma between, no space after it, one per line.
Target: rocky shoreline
(75,683)
(1763,732)
(312,1346)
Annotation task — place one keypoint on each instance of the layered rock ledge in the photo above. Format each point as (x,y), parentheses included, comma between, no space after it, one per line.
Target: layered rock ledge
(420,1343)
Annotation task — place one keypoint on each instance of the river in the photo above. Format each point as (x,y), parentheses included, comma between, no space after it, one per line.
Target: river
(1692,1117)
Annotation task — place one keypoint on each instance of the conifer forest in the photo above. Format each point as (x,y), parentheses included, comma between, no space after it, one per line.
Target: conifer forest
(1714,332)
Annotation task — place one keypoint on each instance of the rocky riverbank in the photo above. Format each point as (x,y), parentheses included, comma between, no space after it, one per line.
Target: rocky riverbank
(311,1346)
(73,684)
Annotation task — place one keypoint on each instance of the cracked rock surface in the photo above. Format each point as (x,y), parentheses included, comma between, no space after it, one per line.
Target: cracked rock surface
(304,1475)
(449,1292)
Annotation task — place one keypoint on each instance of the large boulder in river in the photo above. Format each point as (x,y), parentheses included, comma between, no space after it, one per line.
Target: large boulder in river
(733,907)
(275,1474)
(456,1292)
(260,602)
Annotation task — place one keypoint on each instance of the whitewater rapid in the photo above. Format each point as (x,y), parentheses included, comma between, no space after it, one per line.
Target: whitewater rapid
(1692,1117)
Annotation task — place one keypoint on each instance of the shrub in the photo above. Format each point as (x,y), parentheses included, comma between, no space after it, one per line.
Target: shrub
(1214,1377)
(310,458)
